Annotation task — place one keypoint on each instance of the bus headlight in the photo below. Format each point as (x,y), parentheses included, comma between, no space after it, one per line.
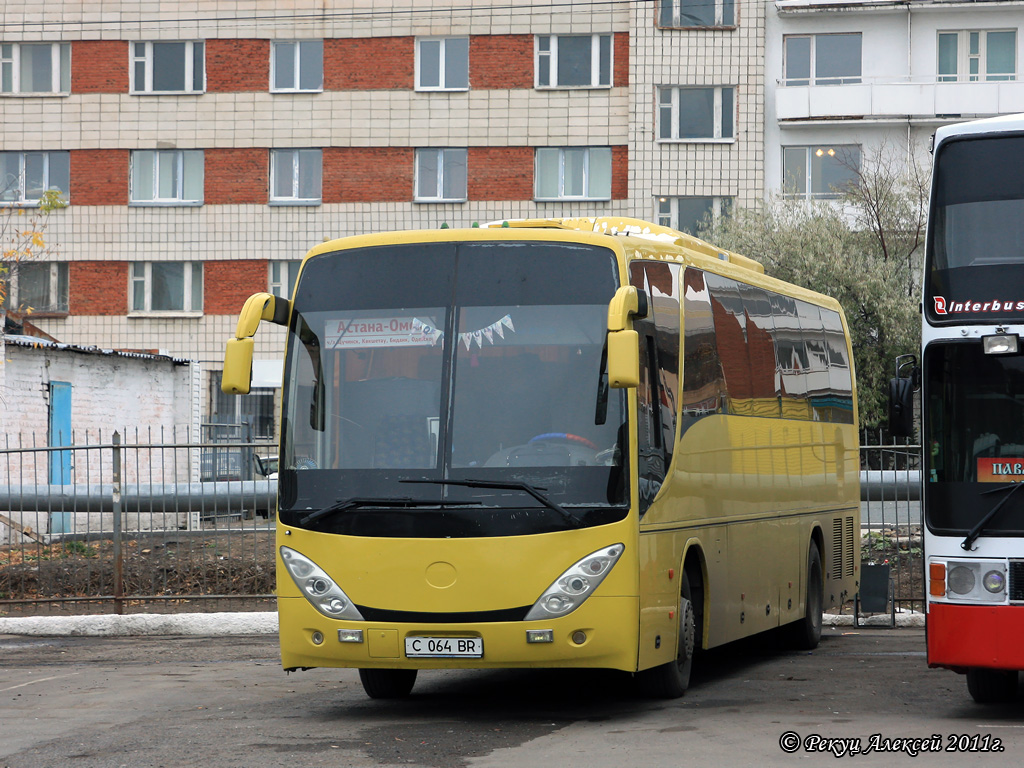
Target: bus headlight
(317,587)
(576,584)
(994,581)
(982,581)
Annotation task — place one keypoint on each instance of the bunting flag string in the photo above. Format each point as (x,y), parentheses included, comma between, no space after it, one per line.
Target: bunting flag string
(469,338)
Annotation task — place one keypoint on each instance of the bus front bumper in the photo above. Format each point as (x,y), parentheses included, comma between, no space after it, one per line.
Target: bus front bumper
(963,636)
(601,633)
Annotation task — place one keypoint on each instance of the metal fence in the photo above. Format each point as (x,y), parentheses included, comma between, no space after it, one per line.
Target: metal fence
(145,522)
(148,523)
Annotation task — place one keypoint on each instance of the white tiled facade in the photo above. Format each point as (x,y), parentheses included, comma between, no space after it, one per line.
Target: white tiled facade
(623,115)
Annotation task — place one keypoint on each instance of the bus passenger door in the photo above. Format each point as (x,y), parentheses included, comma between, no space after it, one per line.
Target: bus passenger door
(651,453)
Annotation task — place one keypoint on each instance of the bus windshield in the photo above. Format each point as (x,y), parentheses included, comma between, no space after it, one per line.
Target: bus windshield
(974,437)
(470,361)
(976,230)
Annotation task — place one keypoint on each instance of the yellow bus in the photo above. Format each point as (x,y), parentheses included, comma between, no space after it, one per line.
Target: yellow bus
(590,443)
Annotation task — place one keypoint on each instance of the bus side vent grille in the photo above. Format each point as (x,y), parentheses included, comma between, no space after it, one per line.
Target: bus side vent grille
(837,548)
(1017,581)
(850,548)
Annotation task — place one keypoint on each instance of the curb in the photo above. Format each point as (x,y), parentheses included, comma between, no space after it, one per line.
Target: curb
(142,624)
(877,620)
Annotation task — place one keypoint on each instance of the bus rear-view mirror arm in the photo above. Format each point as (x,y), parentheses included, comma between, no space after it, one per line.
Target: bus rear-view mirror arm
(623,342)
(901,396)
(237,376)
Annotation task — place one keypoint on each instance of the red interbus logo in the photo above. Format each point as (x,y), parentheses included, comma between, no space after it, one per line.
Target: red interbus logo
(946,308)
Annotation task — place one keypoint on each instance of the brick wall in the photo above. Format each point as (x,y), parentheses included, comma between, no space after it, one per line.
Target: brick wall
(99,177)
(236,176)
(500,173)
(227,284)
(620,173)
(368,64)
(99,66)
(501,61)
(237,65)
(368,174)
(620,63)
(98,288)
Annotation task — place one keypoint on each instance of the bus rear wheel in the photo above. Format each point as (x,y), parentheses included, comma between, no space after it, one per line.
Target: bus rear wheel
(805,634)
(670,680)
(991,686)
(387,683)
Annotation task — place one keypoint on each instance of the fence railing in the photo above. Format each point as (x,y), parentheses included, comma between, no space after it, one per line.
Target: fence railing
(148,521)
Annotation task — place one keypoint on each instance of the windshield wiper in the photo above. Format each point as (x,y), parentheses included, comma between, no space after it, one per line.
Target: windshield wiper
(511,485)
(975,532)
(342,505)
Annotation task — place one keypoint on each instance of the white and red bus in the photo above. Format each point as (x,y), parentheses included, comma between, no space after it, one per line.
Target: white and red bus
(972,405)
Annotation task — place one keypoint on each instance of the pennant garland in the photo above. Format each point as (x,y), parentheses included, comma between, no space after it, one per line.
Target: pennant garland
(470,337)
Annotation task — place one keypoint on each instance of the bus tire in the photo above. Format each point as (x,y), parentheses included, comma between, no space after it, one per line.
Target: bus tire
(387,683)
(991,686)
(670,680)
(805,634)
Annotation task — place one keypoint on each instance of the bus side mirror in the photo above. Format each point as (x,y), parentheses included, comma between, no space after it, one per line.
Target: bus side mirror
(623,359)
(901,397)
(237,375)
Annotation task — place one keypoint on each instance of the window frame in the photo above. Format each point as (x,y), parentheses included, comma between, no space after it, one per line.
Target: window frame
(812,62)
(809,155)
(442,63)
(180,200)
(676,21)
(964,57)
(60,69)
(442,154)
(59,294)
(674,106)
(297,67)
(146,60)
(720,206)
(26,202)
(296,167)
(551,54)
(283,283)
(587,194)
(145,279)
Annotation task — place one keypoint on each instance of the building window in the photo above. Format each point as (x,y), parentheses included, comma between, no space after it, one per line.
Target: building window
(822,59)
(696,114)
(168,68)
(441,175)
(697,13)
(35,68)
(689,214)
(297,66)
(25,176)
(167,286)
(282,276)
(568,61)
(37,286)
(167,177)
(442,64)
(977,55)
(295,176)
(573,173)
(822,172)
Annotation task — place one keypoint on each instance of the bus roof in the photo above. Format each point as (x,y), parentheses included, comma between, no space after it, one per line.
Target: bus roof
(1001,124)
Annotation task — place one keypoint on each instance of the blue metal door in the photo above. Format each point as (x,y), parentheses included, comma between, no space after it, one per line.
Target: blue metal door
(60,432)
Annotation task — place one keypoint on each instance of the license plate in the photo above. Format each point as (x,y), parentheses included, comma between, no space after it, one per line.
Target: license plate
(442,647)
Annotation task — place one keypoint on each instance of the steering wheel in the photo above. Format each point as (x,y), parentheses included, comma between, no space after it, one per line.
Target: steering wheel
(564,436)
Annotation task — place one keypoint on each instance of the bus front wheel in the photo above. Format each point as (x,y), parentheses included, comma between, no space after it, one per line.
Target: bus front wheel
(387,683)
(991,686)
(670,680)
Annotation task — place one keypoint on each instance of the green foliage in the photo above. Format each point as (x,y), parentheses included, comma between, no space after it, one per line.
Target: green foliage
(863,250)
(78,548)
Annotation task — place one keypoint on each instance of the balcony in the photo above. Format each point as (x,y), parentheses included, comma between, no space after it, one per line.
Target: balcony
(896,99)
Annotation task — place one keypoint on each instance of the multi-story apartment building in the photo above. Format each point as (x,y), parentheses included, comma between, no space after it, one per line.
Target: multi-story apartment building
(205,145)
(849,80)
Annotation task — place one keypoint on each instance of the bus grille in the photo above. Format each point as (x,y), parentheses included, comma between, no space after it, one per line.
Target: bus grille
(1017,581)
(842,548)
(848,564)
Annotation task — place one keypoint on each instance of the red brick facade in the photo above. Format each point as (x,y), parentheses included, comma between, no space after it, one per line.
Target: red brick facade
(99,66)
(237,65)
(501,61)
(236,176)
(99,177)
(620,60)
(500,173)
(98,288)
(227,284)
(369,64)
(368,174)
(620,173)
